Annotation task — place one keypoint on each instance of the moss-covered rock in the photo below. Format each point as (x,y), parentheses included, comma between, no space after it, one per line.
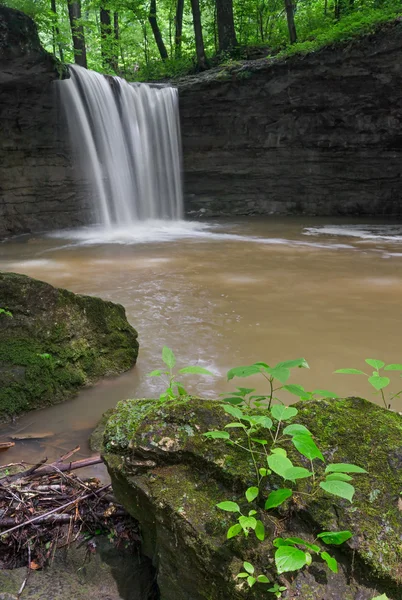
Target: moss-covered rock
(53,341)
(170,477)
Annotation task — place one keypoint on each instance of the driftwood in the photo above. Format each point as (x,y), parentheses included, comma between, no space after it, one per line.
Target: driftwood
(6,445)
(46,507)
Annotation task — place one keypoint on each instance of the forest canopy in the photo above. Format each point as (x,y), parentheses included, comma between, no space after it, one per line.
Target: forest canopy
(152,39)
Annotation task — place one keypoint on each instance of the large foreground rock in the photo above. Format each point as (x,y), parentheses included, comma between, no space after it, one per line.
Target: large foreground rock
(170,477)
(53,341)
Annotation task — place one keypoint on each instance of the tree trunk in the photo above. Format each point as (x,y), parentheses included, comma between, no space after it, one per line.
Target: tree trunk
(202,62)
(226,29)
(56,31)
(106,38)
(77,32)
(116,33)
(179,28)
(291,21)
(156,31)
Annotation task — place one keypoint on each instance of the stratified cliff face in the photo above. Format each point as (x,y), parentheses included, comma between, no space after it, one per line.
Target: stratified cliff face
(316,134)
(37,187)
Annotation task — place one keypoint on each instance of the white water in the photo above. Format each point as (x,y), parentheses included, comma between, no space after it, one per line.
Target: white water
(127,140)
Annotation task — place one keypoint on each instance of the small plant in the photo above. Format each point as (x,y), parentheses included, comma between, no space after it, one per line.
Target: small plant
(377,380)
(174,388)
(5,312)
(268,438)
(382,597)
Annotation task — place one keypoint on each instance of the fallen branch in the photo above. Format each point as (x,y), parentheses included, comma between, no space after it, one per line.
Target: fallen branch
(55,510)
(36,471)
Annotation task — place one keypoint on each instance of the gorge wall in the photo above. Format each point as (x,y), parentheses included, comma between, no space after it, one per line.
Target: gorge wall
(37,188)
(314,134)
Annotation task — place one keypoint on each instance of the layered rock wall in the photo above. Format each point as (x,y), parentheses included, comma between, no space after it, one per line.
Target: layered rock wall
(315,134)
(38,190)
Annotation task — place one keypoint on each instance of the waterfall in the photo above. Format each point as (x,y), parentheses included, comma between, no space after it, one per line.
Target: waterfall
(127,139)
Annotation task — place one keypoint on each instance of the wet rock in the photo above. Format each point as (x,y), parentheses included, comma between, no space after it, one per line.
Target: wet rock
(185,534)
(82,574)
(316,134)
(53,341)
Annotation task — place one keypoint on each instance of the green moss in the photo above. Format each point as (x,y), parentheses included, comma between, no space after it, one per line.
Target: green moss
(56,342)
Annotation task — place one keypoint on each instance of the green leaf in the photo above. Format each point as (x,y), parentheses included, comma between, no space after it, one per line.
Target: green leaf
(301,363)
(229,506)
(325,393)
(234,401)
(263,472)
(168,357)
(233,411)
(262,579)
(252,512)
(248,567)
(331,562)
(277,498)
(243,575)
(393,367)
(283,413)
(233,531)
(344,468)
(309,558)
(245,391)
(350,371)
(251,581)
(282,374)
(154,374)
(379,383)
(196,371)
(376,364)
(295,389)
(280,451)
(297,473)
(289,558)
(260,531)
(236,425)
(335,537)
(338,477)
(262,442)
(278,542)
(182,391)
(252,493)
(306,446)
(295,429)
(279,464)
(261,421)
(248,522)
(222,435)
(243,371)
(301,542)
(382,597)
(339,488)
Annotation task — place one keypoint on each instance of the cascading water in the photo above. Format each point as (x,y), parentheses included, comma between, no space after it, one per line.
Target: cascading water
(127,137)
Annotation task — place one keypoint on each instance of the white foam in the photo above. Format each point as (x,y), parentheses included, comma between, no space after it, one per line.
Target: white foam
(157,231)
(388,233)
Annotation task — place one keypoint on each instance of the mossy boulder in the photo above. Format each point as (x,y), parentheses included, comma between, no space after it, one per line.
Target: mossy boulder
(53,341)
(170,477)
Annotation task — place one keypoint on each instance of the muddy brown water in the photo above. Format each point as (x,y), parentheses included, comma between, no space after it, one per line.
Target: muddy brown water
(222,294)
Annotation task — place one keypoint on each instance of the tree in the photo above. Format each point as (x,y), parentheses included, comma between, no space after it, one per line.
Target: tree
(77,32)
(56,31)
(226,28)
(179,28)
(156,31)
(202,62)
(290,16)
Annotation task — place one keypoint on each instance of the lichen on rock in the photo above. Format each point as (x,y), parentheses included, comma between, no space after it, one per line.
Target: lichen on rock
(53,341)
(170,477)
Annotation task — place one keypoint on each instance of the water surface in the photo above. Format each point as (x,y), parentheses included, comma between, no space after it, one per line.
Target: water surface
(222,294)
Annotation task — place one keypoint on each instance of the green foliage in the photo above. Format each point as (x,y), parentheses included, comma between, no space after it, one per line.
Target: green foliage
(378,381)
(5,312)
(269,439)
(261,26)
(174,388)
